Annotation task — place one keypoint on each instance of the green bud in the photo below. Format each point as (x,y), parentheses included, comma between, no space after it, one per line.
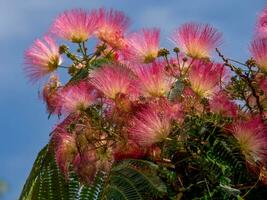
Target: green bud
(176,50)
(63,49)
(163,52)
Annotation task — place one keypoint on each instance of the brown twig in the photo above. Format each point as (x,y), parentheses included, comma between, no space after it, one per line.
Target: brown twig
(244,77)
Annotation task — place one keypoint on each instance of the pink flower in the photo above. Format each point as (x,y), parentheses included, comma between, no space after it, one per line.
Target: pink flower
(143,46)
(153,80)
(171,110)
(205,77)
(112,80)
(112,26)
(197,40)
(262,24)
(75,25)
(149,126)
(65,149)
(221,104)
(42,58)
(190,101)
(76,98)
(251,136)
(258,49)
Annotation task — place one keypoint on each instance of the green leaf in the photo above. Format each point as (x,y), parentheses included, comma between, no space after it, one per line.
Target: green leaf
(176,90)
(84,72)
(127,180)
(33,178)
(46,182)
(135,179)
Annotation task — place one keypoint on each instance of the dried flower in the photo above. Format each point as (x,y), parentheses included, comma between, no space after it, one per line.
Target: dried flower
(65,149)
(49,94)
(85,164)
(129,150)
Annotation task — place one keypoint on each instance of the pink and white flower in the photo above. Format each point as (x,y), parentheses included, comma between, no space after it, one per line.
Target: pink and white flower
(258,49)
(149,126)
(153,80)
(42,58)
(112,80)
(251,136)
(197,40)
(76,98)
(112,27)
(142,46)
(221,104)
(76,25)
(205,77)
(261,28)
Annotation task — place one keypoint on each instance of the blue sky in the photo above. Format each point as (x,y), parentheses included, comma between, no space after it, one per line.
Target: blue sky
(23,119)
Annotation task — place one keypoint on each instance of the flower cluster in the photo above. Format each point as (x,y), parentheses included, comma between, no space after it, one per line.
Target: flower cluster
(130,98)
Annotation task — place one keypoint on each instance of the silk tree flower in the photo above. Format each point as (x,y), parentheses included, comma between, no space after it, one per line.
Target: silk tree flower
(205,78)
(190,101)
(153,80)
(258,49)
(76,98)
(261,28)
(42,58)
(164,107)
(112,27)
(221,104)
(149,126)
(251,136)
(197,40)
(171,110)
(112,80)
(49,94)
(65,149)
(142,46)
(76,25)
